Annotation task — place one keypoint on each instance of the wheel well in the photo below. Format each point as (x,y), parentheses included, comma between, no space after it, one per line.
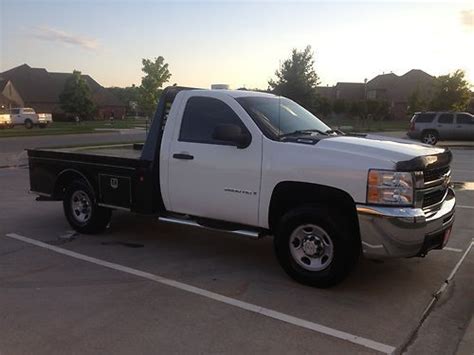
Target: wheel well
(65,178)
(430,130)
(288,195)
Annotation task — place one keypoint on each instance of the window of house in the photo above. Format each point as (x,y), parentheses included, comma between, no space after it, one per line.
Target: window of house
(464,118)
(201,117)
(425,117)
(446,118)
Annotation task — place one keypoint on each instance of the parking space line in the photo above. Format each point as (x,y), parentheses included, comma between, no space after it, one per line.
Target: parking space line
(463,206)
(453,249)
(371,344)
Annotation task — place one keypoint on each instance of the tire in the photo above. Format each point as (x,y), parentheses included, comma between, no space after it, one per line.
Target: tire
(28,124)
(430,137)
(42,125)
(81,211)
(328,248)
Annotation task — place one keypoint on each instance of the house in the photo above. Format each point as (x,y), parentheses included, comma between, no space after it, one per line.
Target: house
(394,89)
(9,96)
(41,89)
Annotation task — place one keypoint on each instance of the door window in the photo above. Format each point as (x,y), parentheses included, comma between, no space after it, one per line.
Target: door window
(446,118)
(202,115)
(424,117)
(464,118)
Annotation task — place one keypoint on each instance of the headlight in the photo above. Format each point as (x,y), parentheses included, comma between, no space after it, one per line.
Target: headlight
(390,188)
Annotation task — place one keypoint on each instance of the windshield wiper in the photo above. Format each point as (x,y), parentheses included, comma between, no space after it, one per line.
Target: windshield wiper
(337,131)
(303,131)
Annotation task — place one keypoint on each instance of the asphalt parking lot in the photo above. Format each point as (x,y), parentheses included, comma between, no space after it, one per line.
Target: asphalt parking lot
(149,287)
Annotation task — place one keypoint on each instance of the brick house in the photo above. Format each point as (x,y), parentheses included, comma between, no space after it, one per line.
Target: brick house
(41,89)
(9,96)
(390,87)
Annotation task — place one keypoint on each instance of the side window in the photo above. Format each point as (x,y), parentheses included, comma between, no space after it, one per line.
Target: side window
(446,118)
(201,116)
(464,118)
(425,117)
(15,111)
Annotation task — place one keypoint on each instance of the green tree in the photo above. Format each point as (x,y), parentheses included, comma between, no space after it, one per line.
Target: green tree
(156,74)
(415,102)
(129,96)
(297,79)
(323,106)
(339,106)
(452,92)
(76,97)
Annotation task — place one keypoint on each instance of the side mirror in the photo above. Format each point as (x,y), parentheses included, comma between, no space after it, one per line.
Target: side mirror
(233,134)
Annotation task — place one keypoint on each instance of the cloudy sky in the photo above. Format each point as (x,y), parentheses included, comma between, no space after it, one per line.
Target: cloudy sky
(238,43)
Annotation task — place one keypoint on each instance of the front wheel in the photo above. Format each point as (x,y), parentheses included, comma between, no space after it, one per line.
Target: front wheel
(28,124)
(81,210)
(313,249)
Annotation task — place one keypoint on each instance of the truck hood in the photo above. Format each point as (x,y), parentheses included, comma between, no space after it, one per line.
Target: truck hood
(405,154)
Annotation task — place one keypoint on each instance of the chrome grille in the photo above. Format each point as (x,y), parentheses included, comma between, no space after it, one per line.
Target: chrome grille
(434,197)
(435,174)
(435,188)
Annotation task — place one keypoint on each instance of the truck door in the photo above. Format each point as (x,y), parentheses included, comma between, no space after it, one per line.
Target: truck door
(211,178)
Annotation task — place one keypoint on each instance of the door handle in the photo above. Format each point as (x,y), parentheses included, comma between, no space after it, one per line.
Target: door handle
(183,156)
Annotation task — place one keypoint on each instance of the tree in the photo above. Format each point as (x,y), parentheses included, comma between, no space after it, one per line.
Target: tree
(323,106)
(156,74)
(339,106)
(297,79)
(129,96)
(76,97)
(452,92)
(415,102)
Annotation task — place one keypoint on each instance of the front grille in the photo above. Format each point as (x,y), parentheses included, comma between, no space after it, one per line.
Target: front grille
(435,174)
(432,198)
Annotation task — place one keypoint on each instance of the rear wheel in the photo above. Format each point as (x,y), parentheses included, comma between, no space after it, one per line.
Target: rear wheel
(81,210)
(430,137)
(28,124)
(43,125)
(315,250)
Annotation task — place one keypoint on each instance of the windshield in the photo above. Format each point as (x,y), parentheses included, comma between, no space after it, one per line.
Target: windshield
(279,116)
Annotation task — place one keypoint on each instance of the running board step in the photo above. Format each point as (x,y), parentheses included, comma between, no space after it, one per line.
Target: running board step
(254,234)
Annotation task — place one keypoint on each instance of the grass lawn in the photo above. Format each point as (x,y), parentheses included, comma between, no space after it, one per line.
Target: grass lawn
(57,128)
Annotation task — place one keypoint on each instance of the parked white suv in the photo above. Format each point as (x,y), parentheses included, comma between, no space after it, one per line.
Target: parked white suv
(29,118)
(429,127)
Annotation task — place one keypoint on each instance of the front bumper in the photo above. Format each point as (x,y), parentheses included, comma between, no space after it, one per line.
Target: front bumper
(403,232)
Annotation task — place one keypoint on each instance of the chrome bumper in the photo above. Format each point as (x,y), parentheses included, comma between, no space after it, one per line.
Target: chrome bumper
(403,232)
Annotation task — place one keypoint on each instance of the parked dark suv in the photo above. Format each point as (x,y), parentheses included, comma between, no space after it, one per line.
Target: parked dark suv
(429,127)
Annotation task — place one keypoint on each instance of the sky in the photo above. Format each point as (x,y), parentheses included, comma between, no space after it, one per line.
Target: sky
(236,43)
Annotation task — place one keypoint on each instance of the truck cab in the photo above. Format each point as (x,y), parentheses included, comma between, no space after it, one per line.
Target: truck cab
(256,164)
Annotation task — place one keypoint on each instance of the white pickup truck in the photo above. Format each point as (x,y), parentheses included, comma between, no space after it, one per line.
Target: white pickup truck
(29,118)
(255,164)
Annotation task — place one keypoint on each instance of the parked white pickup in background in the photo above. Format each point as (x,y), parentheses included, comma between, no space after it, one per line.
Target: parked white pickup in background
(29,118)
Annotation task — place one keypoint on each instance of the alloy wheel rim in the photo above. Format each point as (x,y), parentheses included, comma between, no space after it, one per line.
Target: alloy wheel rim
(311,247)
(81,206)
(430,139)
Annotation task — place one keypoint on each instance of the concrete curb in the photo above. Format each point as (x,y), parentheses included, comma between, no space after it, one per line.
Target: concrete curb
(466,345)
